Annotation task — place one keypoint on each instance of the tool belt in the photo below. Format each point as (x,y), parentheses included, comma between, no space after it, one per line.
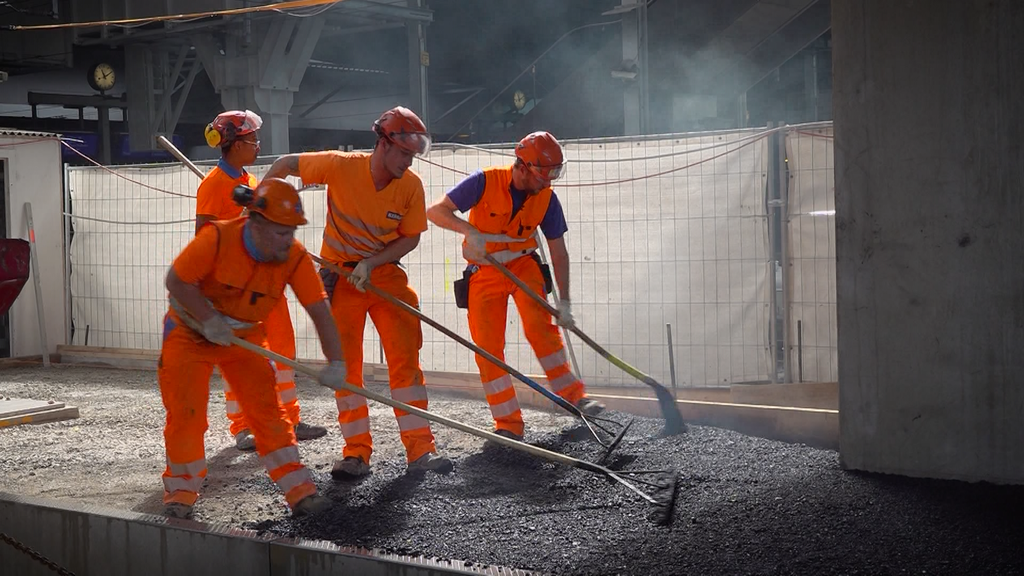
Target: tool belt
(330,277)
(545,271)
(461,287)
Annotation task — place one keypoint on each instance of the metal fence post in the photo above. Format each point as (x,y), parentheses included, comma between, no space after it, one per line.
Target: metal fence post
(671,356)
(771,185)
(68,319)
(783,187)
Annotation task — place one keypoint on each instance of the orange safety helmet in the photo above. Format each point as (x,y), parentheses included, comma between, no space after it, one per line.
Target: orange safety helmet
(542,154)
(403,127)
(275,199)
(231,125)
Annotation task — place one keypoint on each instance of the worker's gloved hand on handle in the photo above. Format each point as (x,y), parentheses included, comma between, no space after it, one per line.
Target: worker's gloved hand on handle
(565,319)
(217,330)
(333,376)
(475,249)
(360,275)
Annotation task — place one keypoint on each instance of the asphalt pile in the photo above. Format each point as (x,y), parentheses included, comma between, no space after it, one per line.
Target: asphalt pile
(745,506)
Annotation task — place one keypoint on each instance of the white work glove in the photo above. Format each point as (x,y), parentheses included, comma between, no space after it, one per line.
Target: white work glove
(565,319)
(217,330)
(360,275)
(475,249)
(333,376)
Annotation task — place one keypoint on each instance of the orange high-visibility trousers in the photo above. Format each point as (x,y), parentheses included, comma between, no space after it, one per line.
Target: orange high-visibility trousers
(489,290)
(280,339)
(186,363)
(402,337)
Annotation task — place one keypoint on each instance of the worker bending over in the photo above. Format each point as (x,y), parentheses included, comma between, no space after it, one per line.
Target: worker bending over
(375,215)
(506,206)
(236,133)
(225,283)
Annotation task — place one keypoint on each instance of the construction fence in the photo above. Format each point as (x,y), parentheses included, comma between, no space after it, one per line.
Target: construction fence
(672,232)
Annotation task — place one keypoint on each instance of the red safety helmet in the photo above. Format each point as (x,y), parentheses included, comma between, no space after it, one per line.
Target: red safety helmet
(278,201)
(403,127)
(542,155)
(231,125)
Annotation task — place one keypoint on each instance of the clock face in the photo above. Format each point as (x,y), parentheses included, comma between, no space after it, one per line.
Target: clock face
(519,99)
(102,76)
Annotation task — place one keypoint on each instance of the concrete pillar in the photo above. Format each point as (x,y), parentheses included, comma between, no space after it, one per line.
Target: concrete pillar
(263,75)
(419,61)
(634,58)
(273,106)
(930,236)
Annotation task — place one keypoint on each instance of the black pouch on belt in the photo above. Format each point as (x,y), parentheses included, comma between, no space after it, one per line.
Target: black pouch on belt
(545,271)
(462,287)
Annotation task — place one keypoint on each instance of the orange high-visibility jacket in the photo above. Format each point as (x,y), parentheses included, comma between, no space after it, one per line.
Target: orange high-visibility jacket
(214,197)
(493,215)
(237,285)
(362,220)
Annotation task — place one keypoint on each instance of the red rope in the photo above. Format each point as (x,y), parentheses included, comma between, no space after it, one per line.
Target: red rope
(123,177)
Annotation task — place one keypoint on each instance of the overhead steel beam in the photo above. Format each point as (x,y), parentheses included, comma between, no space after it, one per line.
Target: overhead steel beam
(151,34)
(197,67)
(415,14)
(170,81)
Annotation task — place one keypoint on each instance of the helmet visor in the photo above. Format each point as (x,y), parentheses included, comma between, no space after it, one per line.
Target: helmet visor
(416,142)
(549,173)
(251,123)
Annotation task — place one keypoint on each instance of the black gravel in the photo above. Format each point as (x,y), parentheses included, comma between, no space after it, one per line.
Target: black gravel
(745,506)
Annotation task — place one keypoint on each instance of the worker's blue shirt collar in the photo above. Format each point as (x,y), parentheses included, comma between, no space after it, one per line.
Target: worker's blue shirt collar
(250,246)
(229,169)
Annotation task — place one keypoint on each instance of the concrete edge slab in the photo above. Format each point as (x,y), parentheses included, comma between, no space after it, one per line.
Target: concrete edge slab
(89,539)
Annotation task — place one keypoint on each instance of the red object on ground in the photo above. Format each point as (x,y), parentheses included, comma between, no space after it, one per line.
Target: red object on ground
(14,268)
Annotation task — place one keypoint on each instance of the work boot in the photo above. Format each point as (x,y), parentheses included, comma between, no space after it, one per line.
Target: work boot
(178,510)
(245,441)
(305,431)
(509,434)
(589,406)
(431,462)
(350,468)
(313,504)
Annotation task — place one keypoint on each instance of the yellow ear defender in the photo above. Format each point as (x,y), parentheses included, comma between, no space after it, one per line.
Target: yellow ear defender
(213,137)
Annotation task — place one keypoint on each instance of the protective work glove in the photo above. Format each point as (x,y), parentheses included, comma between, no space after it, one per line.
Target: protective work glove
(475,248)
(565,319)
(217,330)
(333,376)
(360,275)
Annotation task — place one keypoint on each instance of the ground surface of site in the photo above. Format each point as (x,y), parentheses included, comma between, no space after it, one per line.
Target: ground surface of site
(745,505)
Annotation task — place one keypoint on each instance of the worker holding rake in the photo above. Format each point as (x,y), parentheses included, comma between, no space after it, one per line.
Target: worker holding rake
(224,285)
(236,133)
(375,215)
(506,206)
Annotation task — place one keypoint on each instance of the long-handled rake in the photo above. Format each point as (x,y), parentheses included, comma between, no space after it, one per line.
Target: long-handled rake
(670,412)
(590,421)
(664,484)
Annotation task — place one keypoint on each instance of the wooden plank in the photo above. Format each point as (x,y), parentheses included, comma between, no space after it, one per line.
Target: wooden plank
(802,394)
(65,413)
(10,407)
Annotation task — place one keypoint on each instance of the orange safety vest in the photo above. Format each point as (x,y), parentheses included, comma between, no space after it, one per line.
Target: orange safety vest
(492,215)
(239,286)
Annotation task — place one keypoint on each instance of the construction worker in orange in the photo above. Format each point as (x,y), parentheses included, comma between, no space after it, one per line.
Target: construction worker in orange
(236,133)
(225,284)
(375,215)
(507,205)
